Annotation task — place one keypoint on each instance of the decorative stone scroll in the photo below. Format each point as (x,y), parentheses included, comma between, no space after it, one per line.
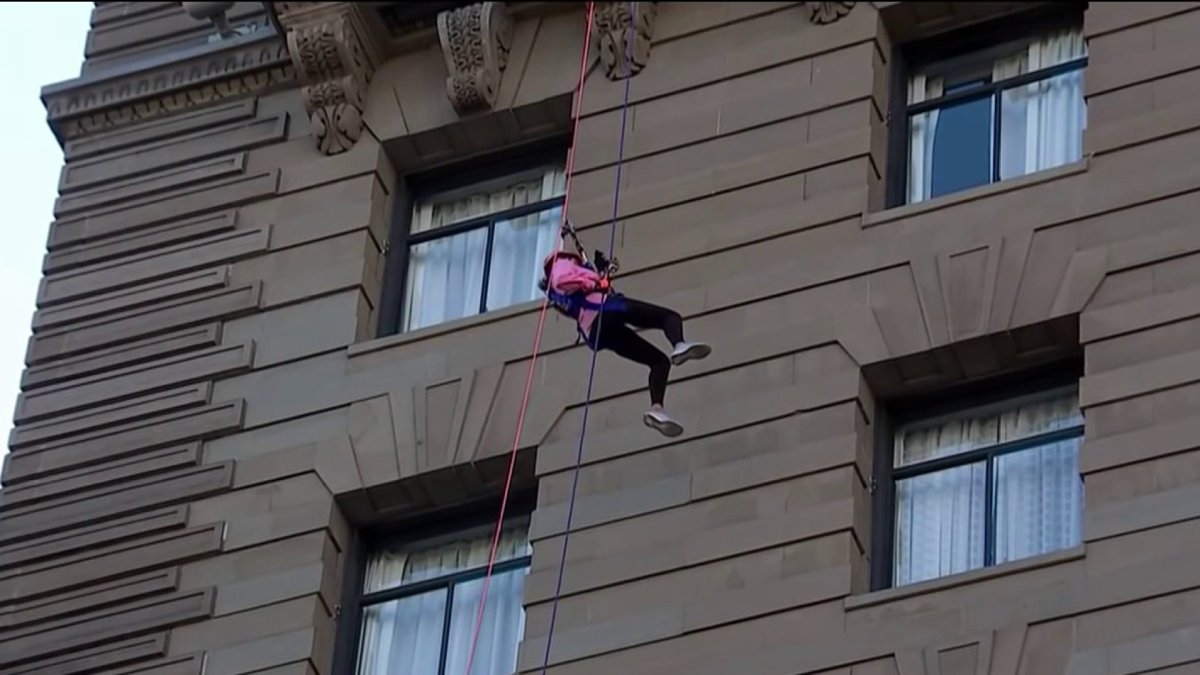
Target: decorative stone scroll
(334,55)
(616,25)
(475,40)
(822,13)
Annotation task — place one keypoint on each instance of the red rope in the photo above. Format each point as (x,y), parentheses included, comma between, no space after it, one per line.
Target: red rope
(537,340)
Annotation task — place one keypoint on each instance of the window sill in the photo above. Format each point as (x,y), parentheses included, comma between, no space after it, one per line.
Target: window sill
(973,194)
(965,578)
(440,329)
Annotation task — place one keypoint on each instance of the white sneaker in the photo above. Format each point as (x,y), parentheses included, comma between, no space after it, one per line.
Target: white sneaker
(660,421)
(686,351)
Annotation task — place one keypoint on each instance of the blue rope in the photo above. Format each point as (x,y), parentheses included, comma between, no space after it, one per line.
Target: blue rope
(612,241)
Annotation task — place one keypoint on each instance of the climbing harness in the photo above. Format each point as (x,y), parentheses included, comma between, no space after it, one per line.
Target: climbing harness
(611,264)
(573,304)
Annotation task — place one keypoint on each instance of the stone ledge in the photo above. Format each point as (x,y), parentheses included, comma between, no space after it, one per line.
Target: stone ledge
(924,588)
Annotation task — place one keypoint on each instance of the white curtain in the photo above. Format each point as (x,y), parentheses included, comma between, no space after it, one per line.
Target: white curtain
(406,635)
(1039,494)
(1041,124)
(445,276)
(517,251)
(939,526)
(502,629)
(922,133)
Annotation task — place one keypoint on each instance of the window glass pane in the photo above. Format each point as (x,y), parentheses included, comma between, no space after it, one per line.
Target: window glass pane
(502,628)
(445,279)
(928,441)
(1041,125)
(1039,500)
(923,443)
(939,523)
(518,246)
(1046,51)
(487,198)
(403,636)
(1039,417)
(950,149)
(406,564)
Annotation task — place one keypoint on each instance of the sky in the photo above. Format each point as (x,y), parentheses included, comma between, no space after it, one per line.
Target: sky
(40,43)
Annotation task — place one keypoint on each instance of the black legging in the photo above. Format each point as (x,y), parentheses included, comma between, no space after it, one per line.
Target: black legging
(616,335)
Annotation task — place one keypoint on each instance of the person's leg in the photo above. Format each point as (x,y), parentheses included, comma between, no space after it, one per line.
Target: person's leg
(643,314)
(620,339)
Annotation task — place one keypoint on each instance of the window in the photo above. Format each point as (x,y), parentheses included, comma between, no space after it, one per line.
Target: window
(477,248)
(984,486)
(420,602)
(990,114)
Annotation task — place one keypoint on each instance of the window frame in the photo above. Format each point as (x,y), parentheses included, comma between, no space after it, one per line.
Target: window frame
(456,175)
(996,393)
(962,49)
(450,523)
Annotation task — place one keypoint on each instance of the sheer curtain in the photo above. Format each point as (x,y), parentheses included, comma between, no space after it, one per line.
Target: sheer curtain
(1039,494)
(922,133)
(445,276)
(406,635)
(940,516)
(1042,123)
(520,244)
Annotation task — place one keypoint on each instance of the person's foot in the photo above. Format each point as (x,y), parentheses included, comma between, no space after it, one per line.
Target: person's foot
(687,351)
(662,422)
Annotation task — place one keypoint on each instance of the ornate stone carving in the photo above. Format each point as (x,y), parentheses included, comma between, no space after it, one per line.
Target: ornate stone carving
(241,66)
(334,56)
(822,13)
(475,43)
(615,26)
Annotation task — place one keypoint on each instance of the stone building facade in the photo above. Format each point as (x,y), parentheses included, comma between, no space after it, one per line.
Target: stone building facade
(946,254)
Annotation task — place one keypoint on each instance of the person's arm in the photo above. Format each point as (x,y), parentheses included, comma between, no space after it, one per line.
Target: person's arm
(566,277)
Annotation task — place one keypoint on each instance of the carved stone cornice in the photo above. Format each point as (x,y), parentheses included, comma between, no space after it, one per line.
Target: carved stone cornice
(822,13)
(623,32)
(232,68)
(335,52)
(475,43)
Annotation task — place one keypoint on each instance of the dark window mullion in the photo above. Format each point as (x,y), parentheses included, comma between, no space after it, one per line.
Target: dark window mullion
(950,99)
(993,88)
(487,267)
(440,582)
(989,512)
(972,456)
(446,618)
(997,104)
(484,221)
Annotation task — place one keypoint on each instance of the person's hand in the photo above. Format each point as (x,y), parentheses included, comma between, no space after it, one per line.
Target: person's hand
(603,284)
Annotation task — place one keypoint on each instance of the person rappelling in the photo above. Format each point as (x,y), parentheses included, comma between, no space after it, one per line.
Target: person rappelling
(605,319)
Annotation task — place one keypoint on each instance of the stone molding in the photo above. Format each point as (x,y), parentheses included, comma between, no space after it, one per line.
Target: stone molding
(475,43)
(242,66)
(333,50)
(822,13)
(615,26)
(335,54)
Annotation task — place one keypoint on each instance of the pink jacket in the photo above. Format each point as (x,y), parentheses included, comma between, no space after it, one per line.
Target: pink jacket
(567,276)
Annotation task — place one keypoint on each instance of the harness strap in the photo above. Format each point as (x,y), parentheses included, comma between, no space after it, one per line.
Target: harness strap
(573,304)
